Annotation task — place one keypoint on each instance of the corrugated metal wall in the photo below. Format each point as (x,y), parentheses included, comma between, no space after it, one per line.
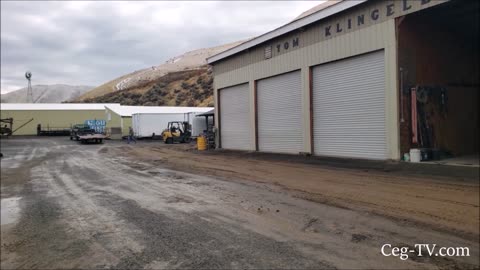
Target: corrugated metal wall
(369,39)
(316,48)
(315,33)
(53,119)
(373,38)
(113,119)
(126,123)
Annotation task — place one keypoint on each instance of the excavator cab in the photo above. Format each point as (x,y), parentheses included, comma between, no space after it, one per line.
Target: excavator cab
(177,131)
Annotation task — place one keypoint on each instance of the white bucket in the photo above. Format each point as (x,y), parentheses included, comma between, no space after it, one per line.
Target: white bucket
(415,155)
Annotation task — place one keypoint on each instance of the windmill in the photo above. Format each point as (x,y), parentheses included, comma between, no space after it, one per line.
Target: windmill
(28,75)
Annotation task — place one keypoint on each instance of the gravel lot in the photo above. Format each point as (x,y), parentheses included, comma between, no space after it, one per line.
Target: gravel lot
(66,205)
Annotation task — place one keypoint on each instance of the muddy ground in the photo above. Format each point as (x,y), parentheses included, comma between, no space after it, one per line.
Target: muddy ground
(150,205)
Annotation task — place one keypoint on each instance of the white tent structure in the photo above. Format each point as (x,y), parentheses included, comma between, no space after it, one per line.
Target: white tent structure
(151,124)
(150,121)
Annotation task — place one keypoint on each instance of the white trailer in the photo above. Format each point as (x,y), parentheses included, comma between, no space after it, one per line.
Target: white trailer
(148,124)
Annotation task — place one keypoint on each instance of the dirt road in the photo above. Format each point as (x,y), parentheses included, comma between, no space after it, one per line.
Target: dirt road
(440,202)
(150,206)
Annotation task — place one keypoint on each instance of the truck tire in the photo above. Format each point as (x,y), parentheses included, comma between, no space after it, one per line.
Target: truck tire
(169,141)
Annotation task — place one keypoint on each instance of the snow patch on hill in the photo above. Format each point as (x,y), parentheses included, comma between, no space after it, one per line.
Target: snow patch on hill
(55,93)
(192,60)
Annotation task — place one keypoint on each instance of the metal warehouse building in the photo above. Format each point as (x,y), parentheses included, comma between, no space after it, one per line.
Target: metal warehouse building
(27,116)
(357,79)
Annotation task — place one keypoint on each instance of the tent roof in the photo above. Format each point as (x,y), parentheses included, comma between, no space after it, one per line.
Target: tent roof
(130,110)
(55,106)
(209,113)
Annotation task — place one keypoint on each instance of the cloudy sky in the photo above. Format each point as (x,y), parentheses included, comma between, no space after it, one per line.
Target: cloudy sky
(90,43)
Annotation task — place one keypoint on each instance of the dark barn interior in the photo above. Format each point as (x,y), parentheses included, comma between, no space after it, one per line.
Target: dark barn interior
(438,69)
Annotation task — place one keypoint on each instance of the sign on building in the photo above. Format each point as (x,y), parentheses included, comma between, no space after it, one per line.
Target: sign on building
(97,125)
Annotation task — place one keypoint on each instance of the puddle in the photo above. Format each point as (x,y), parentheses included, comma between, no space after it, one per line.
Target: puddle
(10,210)
(12,162)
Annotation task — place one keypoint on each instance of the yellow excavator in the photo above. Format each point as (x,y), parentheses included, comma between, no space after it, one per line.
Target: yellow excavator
(177,132)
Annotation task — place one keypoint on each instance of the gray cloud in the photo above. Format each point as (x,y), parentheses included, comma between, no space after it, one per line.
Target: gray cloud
(90,43)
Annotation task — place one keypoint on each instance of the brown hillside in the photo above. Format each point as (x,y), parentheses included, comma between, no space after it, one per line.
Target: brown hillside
(182,88)
(188,61)
(104,88)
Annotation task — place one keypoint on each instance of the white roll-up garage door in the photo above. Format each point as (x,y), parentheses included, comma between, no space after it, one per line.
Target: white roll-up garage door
(279,105)
(349,107)
(235,128)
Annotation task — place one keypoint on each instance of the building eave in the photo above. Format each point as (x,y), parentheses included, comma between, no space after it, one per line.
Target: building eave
(324,13)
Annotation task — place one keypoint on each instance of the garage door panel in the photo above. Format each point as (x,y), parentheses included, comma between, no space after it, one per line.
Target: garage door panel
(354,115)
(349,107)
(235,118)
(353,71)
(280,113)
(334,88)
(364,128)
(346,105)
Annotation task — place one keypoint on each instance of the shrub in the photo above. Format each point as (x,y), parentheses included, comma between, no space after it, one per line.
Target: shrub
(180,98)
(185,85)
(198,94)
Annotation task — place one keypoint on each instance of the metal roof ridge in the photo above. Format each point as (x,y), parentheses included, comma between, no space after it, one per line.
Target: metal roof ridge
(295,24)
